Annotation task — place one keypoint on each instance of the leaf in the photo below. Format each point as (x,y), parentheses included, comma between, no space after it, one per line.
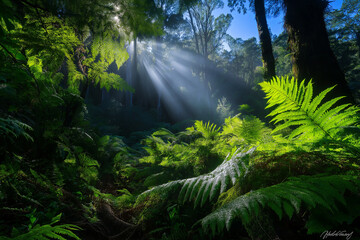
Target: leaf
(284,197)
(294,106)
(206,187)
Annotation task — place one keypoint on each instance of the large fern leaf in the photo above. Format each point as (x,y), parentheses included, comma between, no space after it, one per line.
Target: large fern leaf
(12,128)
(284,198)
(296,107)
(208,186)
(47,232)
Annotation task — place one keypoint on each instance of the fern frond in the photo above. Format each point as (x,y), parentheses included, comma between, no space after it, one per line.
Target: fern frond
(12,128)
(294,106)
(208,130)
(286,197)
(109,49)
(47,232)
(206,187)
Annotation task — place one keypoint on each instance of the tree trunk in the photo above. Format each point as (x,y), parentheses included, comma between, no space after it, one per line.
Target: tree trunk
(265,40)
(310,47)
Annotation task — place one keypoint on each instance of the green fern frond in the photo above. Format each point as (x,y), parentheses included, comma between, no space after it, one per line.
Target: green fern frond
(206,129)
(208,186)
(12,128)
(109,49)
(164,133)
(249,130)
(74,76)
(295,107)
(47,232)
(50,232)
(284,198)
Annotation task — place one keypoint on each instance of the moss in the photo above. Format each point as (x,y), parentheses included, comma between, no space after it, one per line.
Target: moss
(229,195)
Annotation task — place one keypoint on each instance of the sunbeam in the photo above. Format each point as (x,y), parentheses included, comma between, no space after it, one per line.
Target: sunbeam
(176,77)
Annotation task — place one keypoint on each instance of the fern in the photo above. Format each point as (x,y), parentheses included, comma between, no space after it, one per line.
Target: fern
(12,128)
(109,49)
(295,107)
(47,232)
(209,131)
(208,186)
(284,198)
(249,130)
(74,76)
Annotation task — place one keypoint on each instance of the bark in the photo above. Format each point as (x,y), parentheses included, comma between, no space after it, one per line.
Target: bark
(310,47)
(265,40)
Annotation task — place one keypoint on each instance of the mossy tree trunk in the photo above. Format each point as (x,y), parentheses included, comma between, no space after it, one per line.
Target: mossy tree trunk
(310,48)
(265,40)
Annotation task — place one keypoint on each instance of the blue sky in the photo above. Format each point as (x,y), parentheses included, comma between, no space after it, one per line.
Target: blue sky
(244,26)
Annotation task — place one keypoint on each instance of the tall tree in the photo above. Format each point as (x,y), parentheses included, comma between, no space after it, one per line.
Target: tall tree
(258,6)
(310,48)
(209,32)
(265,39)
(244,59)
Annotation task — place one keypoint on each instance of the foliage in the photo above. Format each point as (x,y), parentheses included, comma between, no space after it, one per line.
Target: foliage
(252,185)
(285,199)
(206,187)
(295,107)
(208,32)
(223,109)
(12,128)
(55,163)
(244,58)
(282,55)
(343,28)
(209,131)
(49,231)
(249,130)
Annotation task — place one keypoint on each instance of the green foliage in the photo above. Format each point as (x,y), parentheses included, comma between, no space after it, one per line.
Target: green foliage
(206,187)
(223,109)
(282,55)
(109,50)
(193,149)
(284,198)
(243,59)
(74,76)
(12,128)
(248,188)
(295,107)
(249,130)
(48,231)
(209,131)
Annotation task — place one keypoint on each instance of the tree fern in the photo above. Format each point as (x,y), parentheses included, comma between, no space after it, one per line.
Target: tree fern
(208,186)
(284,198)
(295,107)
